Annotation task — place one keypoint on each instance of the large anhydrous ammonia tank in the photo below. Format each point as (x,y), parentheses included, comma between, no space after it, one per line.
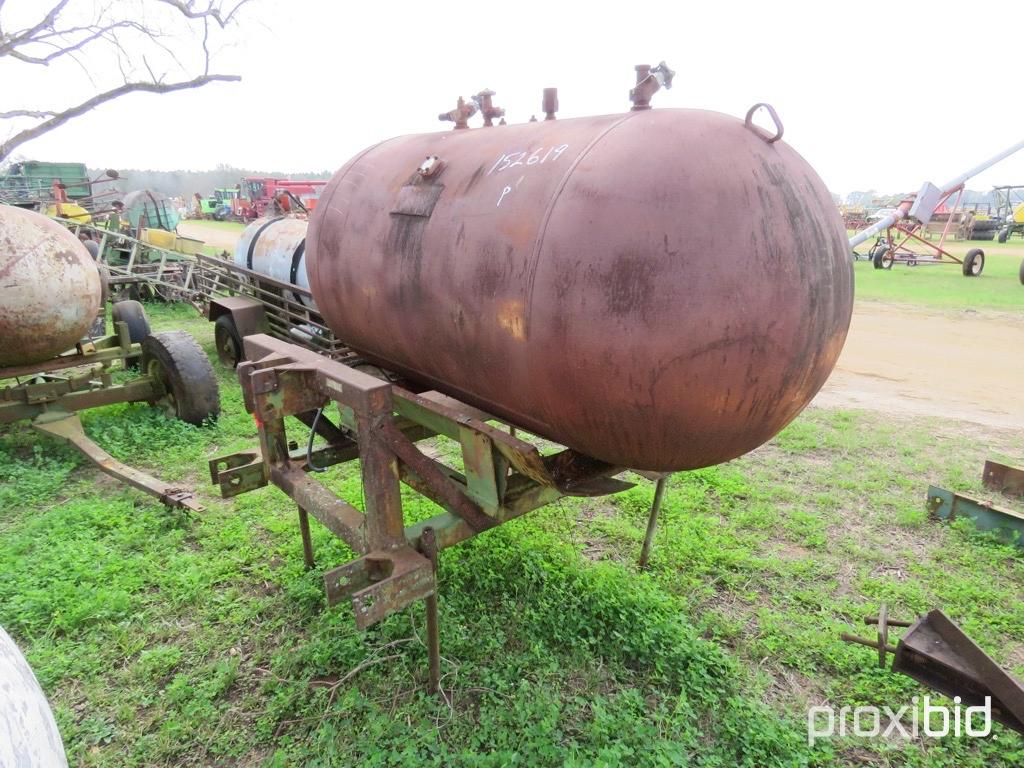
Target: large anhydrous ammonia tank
(276,247)
(50,288)
(662,289)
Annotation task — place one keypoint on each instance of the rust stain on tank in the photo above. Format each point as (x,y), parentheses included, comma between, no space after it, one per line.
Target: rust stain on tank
(50,289)
(662,290)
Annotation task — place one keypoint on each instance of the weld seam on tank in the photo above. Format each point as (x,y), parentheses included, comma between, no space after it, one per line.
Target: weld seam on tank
(542,230)
(296,260)
(256,236)
(351,163)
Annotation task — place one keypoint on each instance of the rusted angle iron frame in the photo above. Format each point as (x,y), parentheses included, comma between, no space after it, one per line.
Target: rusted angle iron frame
(379,423)
(106,350)
(79,390)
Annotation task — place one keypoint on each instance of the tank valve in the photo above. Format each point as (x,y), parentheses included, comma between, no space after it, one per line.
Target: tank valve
(460,115)
(550,103)
(487,109)
(649,80)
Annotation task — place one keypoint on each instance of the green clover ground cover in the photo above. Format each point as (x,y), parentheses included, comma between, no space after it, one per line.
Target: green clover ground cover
(165,639)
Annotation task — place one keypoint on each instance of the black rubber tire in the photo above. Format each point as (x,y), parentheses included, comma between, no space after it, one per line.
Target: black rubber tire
(986,235)
(134,315)
(974,262)
(878,259)
(1004,235)
(180,364)
(1021,273)
(229,343)
(104,284)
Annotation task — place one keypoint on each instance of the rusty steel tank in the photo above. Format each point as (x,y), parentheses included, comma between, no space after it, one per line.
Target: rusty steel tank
(662,289)
(275,247)
(50,288)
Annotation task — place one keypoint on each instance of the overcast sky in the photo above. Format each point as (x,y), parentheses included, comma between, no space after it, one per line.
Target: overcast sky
(874,95)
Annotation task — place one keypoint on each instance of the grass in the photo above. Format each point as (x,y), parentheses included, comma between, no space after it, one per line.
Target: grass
(164,639)
(944,286)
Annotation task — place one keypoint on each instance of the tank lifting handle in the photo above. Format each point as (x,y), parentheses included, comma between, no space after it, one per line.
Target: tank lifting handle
(749,122)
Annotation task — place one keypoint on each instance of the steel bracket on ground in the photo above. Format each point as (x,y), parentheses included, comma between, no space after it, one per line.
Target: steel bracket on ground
(937,653)
(987,516)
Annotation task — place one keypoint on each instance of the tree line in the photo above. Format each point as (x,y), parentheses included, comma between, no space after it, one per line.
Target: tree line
(185,183)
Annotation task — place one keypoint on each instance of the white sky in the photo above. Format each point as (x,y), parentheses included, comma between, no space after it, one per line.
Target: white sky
(874,95)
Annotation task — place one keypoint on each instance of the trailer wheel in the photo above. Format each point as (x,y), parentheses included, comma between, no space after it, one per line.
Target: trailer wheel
(881,257)
(229,343)
(974,262)
(190,387)
(1004,235)
(134,316)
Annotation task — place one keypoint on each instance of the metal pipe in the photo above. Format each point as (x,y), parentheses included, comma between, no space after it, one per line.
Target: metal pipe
(428,543)
(848,638)
(652,521)
(956,182)
(307,539)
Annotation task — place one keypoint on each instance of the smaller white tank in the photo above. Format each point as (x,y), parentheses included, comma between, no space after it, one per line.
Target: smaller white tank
(276,247)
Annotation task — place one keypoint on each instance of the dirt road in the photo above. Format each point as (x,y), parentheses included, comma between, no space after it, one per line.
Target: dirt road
(218,238)
(963,365)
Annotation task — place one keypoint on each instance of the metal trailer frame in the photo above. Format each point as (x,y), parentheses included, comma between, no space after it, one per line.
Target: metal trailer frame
(215,286)
(53,392)
(256,303)
(501,477)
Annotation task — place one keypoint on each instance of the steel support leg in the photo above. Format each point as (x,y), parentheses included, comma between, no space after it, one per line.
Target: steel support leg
(652,521)
(429,544)
(307,539)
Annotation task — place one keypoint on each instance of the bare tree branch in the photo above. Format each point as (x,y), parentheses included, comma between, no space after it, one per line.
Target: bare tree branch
(46,22)
(212,10)
(59,119)
(127,39)
(25,113)
(94,33)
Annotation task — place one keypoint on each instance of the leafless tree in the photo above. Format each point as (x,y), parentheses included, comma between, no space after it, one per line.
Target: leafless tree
(154,46)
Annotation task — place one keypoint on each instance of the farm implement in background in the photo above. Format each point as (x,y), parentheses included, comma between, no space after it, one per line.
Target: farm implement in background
(57,361)
(899,236)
